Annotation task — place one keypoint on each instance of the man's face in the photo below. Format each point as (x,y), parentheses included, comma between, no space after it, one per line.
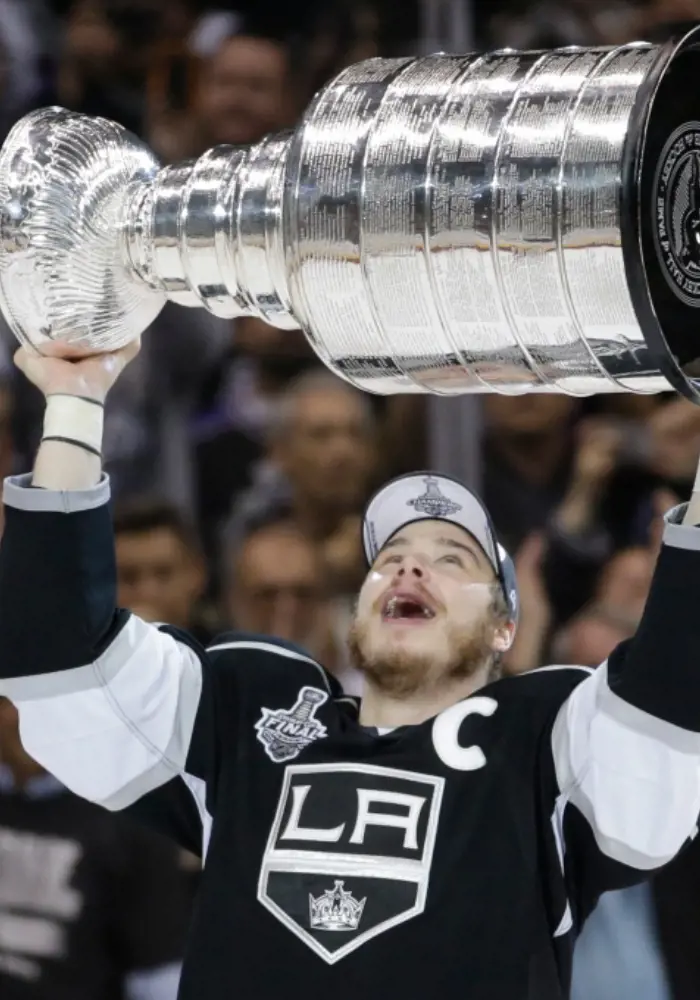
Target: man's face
(158,576)
(243,92)
(425,612)
(277,587)
(327,452)
(533,413)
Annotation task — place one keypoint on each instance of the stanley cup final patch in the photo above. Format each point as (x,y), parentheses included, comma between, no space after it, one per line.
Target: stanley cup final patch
(286,732)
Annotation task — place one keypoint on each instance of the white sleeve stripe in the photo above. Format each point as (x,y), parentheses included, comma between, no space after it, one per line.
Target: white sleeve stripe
(638,791)
(120,727)
(113,663)
(634,718)
(270,647)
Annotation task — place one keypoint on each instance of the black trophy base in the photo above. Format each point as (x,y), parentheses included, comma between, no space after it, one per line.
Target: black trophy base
(661,213)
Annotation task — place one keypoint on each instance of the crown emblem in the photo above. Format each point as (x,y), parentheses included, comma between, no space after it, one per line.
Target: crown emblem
(336,910)
(433,502)
(286,732)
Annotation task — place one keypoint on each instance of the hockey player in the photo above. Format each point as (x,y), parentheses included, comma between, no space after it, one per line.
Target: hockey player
(446,836)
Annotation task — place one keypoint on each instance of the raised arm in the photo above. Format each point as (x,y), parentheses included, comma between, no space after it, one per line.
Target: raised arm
(109,704)
(626,743)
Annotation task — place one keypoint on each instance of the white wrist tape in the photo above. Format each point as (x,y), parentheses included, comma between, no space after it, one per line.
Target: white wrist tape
(74,419)
(696,487)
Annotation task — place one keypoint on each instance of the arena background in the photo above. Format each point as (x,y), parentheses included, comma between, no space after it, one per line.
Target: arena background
(240,468)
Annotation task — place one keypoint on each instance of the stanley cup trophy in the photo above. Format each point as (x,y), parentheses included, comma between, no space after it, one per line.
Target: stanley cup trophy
(510,222)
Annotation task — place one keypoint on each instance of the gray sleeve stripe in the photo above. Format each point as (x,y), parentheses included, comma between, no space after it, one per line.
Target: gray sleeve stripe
(620,849)
(161,773)
(18,493)
(634,718)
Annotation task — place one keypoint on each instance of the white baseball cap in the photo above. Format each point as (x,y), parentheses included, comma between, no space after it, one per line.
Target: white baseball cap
(426,496)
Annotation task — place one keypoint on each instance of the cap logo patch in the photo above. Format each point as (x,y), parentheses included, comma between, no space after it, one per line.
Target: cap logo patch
(433,502)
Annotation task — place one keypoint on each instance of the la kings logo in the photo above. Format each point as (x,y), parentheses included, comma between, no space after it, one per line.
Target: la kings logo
(349,853)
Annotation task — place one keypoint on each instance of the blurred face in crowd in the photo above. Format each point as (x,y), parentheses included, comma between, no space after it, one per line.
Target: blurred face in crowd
(277,587)
(625,582)
(244,91)
(159,577)
(427,614)
(326,450)
(279,355)
(92,40)
(256,338)
(534,413)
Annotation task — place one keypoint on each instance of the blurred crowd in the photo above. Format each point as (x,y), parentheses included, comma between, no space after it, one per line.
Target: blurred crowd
(240,468)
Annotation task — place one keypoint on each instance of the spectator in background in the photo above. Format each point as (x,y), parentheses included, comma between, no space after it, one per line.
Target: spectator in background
(26,29)
(320,466)
(160,568)
(276,584)
(92,907)
(533,24)
(526,460)
(578,538)
(92,73)
(322,443)
(624,474)
(612,614)
(235,410)
(246,90)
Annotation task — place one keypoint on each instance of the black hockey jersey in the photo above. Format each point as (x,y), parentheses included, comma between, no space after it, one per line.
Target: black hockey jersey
(454,857)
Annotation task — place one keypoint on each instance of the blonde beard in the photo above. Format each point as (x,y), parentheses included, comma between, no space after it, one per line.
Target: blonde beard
(402,674)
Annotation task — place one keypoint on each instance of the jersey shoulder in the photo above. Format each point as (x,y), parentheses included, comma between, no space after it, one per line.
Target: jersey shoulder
(266,664)
(542,690)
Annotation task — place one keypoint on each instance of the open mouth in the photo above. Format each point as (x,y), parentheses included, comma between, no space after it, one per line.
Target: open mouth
(401,608)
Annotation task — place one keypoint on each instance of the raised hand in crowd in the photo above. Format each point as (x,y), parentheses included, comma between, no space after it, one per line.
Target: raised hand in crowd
(662,501)
(674,440)
(342,554)
(599,445)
